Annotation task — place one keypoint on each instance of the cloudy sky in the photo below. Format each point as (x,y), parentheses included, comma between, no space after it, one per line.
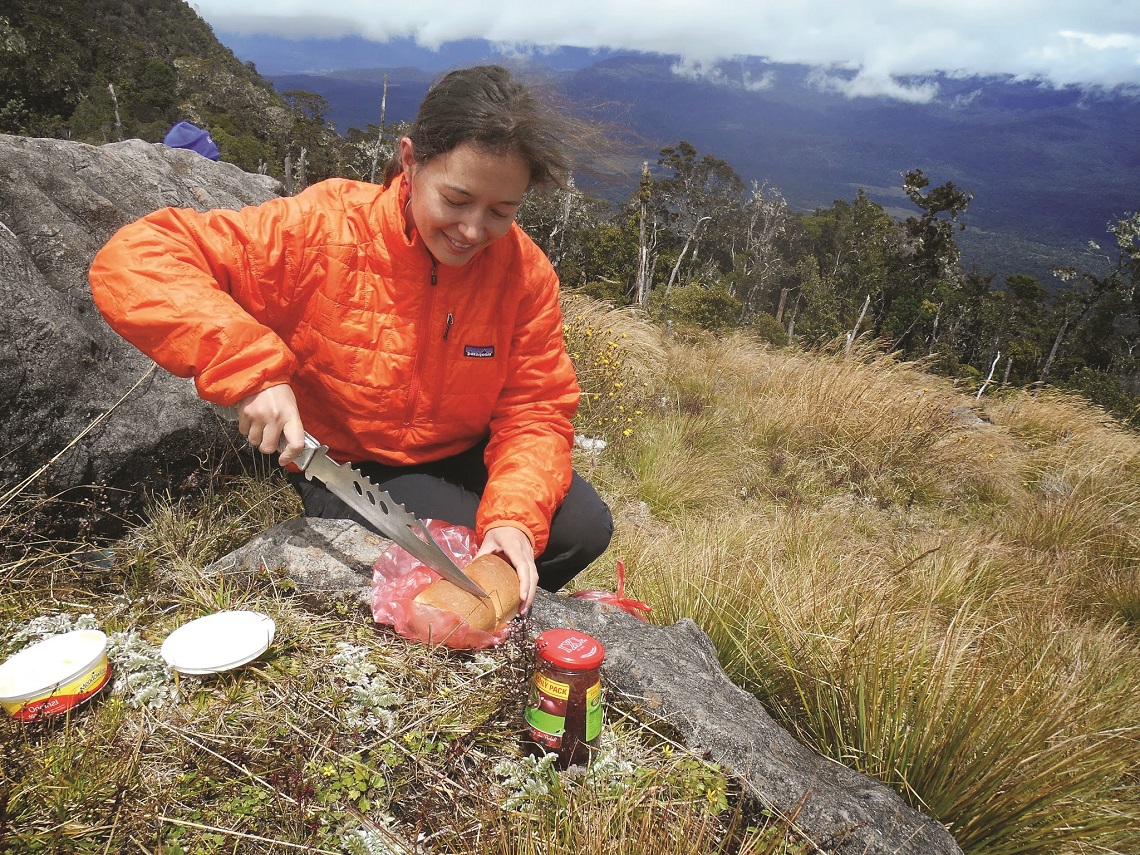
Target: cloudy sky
(1091,43)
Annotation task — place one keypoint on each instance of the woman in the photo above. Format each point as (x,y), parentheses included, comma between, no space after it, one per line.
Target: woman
(413,328)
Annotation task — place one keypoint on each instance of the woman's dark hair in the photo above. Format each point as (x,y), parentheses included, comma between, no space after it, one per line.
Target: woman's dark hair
(486,107)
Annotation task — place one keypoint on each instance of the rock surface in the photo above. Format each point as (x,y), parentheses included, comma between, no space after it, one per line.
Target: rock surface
(667,674)
(331,559)
(61,366)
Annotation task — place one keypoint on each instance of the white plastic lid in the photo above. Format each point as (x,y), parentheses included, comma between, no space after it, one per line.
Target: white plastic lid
(218,642)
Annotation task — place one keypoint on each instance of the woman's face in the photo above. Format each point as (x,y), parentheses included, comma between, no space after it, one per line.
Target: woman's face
(464,199)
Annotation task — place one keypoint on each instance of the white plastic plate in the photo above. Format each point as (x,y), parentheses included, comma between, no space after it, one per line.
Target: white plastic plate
(218,642)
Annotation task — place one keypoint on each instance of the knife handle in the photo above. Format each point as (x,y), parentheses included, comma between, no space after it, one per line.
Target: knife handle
(306,456)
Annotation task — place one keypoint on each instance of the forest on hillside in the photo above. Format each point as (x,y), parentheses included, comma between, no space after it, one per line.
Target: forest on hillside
(107,70)
(694,245)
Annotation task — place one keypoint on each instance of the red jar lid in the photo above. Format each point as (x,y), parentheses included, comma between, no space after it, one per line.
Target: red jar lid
(568,648)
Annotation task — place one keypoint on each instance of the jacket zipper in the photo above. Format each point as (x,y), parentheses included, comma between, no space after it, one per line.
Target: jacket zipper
(447,329)
(422,346)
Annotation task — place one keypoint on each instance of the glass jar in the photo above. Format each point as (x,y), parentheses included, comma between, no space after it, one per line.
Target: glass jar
(564,711)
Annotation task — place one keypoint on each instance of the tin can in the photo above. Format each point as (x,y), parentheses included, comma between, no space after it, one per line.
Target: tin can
(564,709)
(54,675)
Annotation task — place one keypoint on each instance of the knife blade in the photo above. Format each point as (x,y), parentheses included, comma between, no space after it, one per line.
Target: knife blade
(392,519)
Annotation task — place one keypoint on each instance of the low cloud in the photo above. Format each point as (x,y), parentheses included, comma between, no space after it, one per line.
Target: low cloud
(724,74)
(962,101)
(864,85)
(306,26)
(1108,41)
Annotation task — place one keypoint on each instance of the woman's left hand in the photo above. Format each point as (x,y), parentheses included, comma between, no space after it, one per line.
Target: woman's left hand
(515,546)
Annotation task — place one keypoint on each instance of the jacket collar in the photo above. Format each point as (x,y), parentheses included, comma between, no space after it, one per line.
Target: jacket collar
(402,248)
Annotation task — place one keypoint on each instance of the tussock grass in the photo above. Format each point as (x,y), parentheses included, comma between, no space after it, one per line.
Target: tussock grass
(938,591)
(599,826)
(987,737)
(935,590)
(881,430)
(682,466)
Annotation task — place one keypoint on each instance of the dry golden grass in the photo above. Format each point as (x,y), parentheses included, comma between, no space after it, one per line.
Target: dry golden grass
(938,591)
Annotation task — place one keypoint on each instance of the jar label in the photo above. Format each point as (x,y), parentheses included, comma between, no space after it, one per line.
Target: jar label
(593,711)
(548,725)
(551,687)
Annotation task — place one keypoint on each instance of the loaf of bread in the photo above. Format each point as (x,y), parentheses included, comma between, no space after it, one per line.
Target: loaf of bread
(493,575)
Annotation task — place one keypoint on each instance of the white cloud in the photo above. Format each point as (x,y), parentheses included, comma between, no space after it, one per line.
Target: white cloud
(1109,41)
(308,26)
(759,84)
(864,85)
(723,74)
(1060,42)
(961,101)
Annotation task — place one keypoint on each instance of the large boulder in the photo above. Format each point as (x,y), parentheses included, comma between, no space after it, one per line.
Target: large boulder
(664,674)
(72,393)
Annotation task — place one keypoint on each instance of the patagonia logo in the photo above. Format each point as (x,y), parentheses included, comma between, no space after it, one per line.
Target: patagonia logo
(479,352)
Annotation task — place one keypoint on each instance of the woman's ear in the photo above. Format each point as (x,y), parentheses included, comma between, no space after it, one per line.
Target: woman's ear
(407,156)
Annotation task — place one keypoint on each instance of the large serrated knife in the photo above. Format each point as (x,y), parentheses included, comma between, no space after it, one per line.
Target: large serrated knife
(391,518)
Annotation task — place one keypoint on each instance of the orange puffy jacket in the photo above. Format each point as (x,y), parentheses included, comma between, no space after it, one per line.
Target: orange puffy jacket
(392,358)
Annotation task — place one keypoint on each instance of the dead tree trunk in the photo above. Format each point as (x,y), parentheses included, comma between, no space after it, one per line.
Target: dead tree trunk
(783,302)
(855,329)
(684,250)
(993,368)
(644,279)
(380,134)
(1053,352)
(301,171)
(792,321)
(115,104)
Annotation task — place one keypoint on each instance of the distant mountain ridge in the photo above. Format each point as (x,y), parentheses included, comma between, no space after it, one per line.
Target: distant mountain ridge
(1048,168)
(274,55)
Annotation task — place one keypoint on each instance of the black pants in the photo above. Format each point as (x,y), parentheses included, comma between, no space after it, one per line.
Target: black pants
(449,490)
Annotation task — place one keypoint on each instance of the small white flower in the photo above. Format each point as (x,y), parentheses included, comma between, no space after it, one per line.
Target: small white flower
(588,444)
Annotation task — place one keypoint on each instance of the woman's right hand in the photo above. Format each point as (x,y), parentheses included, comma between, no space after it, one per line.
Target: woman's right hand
(267,416)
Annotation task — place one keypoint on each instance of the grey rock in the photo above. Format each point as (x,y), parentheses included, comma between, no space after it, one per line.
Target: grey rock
(63,371)
(968,416)
(666,675)
(331,559)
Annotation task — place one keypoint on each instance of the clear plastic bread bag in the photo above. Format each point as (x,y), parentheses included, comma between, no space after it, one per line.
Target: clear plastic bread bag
(398,577)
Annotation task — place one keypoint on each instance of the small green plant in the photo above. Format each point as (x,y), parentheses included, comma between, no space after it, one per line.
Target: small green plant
(371,698)
(349,780)
(621,802)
